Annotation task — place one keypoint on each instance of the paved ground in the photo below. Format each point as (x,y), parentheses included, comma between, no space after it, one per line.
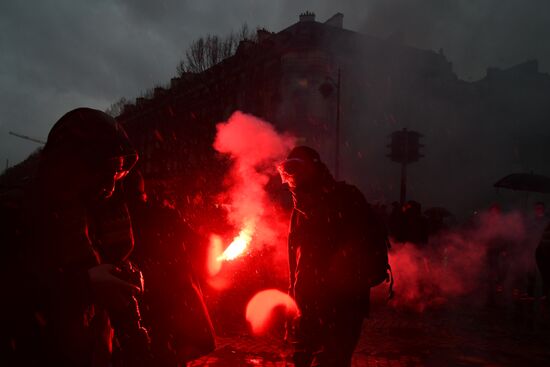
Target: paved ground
(459,336)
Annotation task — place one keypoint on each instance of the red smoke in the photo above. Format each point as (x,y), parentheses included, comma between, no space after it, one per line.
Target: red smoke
(261,309)
(456,263)
(254,147)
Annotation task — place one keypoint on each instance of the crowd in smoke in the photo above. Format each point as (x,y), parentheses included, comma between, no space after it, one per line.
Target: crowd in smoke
(493,253)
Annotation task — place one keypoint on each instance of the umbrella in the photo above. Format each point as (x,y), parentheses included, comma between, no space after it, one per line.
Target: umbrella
(525,182)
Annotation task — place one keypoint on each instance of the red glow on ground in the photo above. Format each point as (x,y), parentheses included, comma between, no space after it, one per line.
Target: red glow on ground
(260,309)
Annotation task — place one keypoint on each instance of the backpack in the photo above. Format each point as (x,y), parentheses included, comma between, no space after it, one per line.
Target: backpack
(374,242)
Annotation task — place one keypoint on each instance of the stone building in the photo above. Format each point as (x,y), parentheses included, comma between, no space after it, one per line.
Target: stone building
(474,132)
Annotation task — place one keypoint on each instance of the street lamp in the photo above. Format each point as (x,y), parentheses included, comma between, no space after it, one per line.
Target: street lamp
(326,90)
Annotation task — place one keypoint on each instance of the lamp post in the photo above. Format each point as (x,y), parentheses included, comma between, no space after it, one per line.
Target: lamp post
(326,90)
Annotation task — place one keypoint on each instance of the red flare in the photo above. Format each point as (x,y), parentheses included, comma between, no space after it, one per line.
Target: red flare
(238,246)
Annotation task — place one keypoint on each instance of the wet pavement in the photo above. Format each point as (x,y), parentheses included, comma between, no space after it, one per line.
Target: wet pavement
(463,336)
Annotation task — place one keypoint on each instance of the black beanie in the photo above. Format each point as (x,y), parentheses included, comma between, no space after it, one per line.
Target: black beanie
(304,153)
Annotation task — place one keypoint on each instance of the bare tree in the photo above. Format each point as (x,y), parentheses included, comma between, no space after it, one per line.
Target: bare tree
(208,51)
(202,54)
(245,34)
(116,108)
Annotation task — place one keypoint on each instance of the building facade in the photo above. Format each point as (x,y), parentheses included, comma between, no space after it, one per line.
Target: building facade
(474,132)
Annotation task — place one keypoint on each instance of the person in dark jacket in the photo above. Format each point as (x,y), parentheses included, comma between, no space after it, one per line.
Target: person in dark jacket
(62,283)
(173,305)
(330,223)
(542,257)
(415,225)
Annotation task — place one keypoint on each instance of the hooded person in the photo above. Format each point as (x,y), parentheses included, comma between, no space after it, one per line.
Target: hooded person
(332,228)
(542,258)
(63,279)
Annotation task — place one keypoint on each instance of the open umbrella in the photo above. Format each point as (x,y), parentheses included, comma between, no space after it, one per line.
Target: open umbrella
(525,182)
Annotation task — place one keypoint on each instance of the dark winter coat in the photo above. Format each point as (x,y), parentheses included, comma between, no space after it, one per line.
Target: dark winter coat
(328,236)
(48,314)
(50,310)
(173,306)
(542,256)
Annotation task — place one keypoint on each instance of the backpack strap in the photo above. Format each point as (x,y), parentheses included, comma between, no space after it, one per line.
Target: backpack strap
(291,251)
(390,290)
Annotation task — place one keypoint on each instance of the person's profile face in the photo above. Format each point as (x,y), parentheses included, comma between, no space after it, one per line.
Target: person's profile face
(98,181)
(295,172)
(108,176)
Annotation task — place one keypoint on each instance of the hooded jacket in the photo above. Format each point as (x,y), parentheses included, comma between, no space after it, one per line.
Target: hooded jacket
(53,319)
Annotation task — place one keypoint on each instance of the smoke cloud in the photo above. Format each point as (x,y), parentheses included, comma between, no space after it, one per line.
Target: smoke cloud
(495,252)
(254,148)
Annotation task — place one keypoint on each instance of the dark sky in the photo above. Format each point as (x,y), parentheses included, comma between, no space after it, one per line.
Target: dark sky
(60,54)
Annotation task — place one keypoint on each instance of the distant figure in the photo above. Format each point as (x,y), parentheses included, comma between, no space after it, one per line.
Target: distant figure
(407,224)
(540,211)
(535,225)
(174,309)
(542,252)
(415,225)
(333,235)
(498,248)
(65,287)
(396,222)
(436,218)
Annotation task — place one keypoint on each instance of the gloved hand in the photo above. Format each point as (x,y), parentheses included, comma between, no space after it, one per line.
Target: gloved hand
(108,290)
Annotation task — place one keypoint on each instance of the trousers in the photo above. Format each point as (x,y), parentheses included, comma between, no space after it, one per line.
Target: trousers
(326,334)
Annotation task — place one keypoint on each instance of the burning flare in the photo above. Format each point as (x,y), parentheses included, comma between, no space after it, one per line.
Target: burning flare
(238,246)
(216,257)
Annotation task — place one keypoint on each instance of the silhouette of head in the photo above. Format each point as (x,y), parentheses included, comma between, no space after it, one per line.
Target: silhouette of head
(87,151)
(301,168)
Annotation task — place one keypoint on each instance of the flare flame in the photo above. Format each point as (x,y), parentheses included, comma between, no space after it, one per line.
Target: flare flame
(238,246)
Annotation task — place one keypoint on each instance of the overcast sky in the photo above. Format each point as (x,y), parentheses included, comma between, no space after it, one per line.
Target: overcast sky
(61,54)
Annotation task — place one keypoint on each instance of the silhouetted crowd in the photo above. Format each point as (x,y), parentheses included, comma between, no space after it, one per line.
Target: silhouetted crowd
(517,263)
